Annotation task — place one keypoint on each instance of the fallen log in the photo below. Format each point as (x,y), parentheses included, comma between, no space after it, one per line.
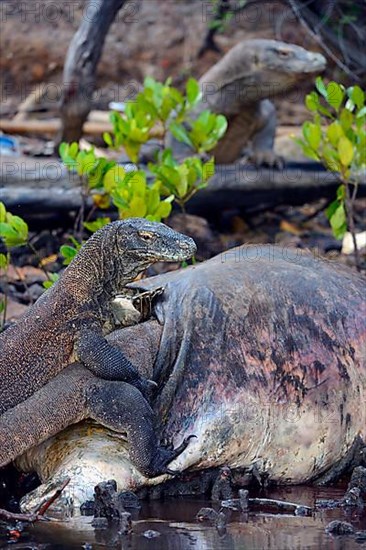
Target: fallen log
(96,125)
(50,126)
(33,186)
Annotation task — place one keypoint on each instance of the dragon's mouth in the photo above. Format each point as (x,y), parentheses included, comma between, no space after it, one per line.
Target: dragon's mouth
(185,253)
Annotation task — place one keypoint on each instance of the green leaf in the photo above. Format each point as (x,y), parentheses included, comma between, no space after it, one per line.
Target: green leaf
(63,149)
(97,224)
(3,261)
(208,169)
(108,139)
(331,159)
(113,177)
(86,162)
(345,151)
(75,242)
(338,222)
(53,278)
(220,126)
(361,112)
(346,119)
(180,133)
(193,91)
(68,252)
(164,208)
(137,207)
(73,149)
(308,151)
(320,86)
(330,211)
(2,212)
(335,95)
(314,135)
(312,101)
(21,227)
(10,235)
(334,132)
(357,95)
(341,193)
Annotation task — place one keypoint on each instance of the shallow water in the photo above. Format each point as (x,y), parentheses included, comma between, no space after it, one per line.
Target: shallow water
(175,521)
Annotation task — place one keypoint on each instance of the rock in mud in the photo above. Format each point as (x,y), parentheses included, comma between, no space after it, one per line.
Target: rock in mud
(151,534)
(358,481)
(338,528)
(221,489)
(108,505)
(244,499)
(207,514)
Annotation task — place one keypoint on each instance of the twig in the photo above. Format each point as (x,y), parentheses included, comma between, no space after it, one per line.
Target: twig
(48,503)
(320,41)
(280,504)
(209,43)
(351,222)
(269,502)
(40,265)
(29,518)
(24,283)
(38,516)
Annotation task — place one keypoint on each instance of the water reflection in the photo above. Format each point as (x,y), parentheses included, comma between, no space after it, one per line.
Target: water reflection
(178,530)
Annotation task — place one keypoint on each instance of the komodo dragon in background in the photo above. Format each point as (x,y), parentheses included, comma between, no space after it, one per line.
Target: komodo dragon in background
(239,85)
(40,394)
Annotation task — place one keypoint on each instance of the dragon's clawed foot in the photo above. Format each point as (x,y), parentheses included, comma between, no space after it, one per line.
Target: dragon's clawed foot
(167,444)
(165,455)
(267,159)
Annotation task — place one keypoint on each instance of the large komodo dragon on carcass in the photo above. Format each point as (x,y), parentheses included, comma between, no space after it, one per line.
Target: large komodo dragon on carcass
(259,352)
(39,394)
(239,86)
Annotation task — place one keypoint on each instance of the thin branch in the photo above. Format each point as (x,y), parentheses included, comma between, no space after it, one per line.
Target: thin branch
(38,516)
(54,497)
(351,223)
(27,518)
(320,41)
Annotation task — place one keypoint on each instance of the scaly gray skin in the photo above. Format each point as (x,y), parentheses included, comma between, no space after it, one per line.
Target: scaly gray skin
(239,85)
(39,396)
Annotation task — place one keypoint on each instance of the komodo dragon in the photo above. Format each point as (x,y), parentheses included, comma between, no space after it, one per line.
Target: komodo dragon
(40,394)
(239,85)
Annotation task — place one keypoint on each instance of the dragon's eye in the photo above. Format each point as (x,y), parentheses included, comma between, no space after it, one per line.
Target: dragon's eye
(145,236)
(284,53)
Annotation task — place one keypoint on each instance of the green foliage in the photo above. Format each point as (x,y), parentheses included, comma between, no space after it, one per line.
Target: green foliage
(135,198)
(97,224)
(157,110)
(203,133)
(337,138)
(155,105)
(184,179)
(52,279)
(86,163)
(13,229)
(4,264)
(336,214)
(13,232)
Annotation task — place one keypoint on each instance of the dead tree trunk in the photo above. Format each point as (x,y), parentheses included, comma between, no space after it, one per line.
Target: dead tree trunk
(81,61)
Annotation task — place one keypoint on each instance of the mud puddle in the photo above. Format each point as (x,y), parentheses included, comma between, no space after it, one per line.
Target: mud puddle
(174,526)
